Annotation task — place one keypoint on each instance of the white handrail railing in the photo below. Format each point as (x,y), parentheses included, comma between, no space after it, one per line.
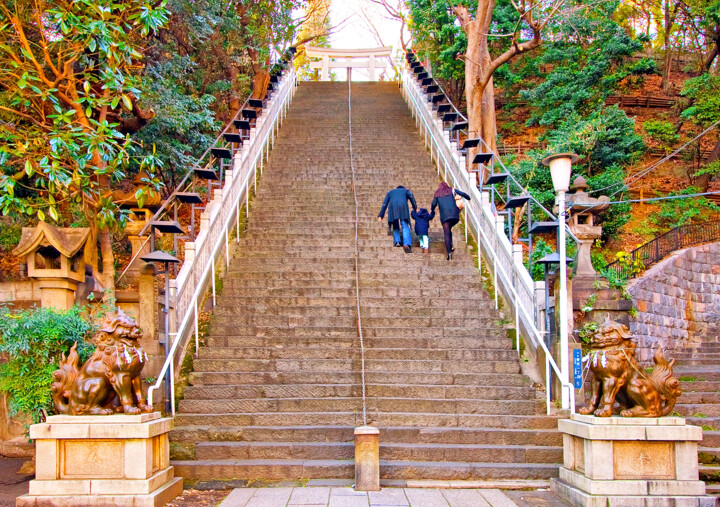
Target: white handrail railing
(509,272)
(223,211)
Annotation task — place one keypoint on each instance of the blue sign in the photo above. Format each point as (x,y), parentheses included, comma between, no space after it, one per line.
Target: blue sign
(577,368)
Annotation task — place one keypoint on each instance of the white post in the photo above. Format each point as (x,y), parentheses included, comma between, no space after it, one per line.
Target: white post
(563,316)
(325,75)
(372,68)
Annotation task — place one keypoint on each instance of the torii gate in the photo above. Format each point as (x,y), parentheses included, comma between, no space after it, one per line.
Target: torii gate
(346,58)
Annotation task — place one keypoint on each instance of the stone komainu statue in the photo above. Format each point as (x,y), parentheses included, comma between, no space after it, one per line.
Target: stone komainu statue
(109,381)
(617,376)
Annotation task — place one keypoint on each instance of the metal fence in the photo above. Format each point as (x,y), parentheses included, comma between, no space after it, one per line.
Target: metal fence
(657,249)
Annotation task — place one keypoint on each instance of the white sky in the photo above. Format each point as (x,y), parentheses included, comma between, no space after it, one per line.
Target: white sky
(356,18)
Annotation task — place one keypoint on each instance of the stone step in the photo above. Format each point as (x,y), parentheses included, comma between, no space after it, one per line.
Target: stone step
(401,294)
(695,398)
(397,435)
(495,339)
(341,365)
(388,451)
(701,386)
(258,312)
(699,410)
(337,332)
(346,263)
(371,354)
(377,419)
(367,280)
(478,302)
(354,377)
(709,455)
(344,469)
(409,405)
(247,391)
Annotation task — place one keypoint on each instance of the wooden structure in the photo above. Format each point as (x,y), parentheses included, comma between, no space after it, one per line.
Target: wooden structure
(369,58)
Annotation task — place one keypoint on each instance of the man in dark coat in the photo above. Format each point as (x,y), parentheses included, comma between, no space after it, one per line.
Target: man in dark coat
(396,204)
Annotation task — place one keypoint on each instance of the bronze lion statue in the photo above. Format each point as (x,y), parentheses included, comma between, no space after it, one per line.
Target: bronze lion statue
(617,376)
(109,381)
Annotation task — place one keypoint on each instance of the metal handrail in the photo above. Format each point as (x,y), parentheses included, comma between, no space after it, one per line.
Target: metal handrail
(198,165)
(663,245)
(512,178)
(510,279)
(219,227)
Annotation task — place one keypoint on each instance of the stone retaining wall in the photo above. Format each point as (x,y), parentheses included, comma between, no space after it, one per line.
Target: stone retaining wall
(678,301)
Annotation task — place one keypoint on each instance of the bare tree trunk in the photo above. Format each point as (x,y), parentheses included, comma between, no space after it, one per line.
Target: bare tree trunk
(702,182)
(261,81)
(107,277)
(669,15)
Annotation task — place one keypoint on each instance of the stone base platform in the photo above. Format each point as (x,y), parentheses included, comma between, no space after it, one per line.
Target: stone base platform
(117,460)
(641,462)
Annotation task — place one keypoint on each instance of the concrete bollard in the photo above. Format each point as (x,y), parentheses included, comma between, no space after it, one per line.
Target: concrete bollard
(367,459)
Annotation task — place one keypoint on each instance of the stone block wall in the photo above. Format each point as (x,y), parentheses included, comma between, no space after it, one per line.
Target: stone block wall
(678,301)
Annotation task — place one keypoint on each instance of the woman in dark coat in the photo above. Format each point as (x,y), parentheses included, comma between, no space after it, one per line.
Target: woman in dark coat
(449,212)
(396,204)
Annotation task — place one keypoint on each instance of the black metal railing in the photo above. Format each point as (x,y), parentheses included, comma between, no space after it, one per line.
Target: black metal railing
(657,249)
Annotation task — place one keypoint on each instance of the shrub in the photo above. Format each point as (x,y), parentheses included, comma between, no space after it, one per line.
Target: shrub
(540,250)
(31,341)
(676,212)
(662,132)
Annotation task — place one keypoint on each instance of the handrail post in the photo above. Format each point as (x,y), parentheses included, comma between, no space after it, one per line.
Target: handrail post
(563,313)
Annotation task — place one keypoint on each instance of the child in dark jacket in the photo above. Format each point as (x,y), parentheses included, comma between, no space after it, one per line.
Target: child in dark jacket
(422,224)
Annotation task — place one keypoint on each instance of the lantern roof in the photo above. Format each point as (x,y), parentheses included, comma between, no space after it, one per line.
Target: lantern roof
(66,240)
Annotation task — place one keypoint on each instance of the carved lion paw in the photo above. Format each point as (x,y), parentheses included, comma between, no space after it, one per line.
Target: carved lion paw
(601,412)
(585,410)
(130,410)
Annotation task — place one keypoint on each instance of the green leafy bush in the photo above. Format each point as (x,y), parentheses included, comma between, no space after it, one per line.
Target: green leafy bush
(662,132)
(540,250)
(676,212)
(31,342)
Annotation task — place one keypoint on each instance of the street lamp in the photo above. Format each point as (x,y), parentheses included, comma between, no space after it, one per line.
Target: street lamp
(560,168)
(166,260)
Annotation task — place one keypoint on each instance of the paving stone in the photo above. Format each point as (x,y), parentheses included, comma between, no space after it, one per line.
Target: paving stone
(419,497)
(348,501)
(388,497)
(497,498)
(464,498)
(238,497)
(309,496)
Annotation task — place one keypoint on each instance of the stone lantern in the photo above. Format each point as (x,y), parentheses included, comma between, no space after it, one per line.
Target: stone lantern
(55,257)
(582,223)
(592,298)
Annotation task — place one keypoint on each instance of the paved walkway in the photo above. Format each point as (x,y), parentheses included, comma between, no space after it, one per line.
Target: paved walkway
(347,497)
(12,484)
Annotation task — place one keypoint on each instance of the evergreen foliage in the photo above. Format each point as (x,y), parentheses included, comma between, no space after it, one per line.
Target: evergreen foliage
(589,62)
(33,341)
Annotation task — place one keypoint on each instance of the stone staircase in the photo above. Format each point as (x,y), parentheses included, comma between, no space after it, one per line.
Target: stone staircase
(276,390)
(699,373)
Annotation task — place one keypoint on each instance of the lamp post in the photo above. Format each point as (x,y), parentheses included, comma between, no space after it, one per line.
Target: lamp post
(166,260)
(560,168)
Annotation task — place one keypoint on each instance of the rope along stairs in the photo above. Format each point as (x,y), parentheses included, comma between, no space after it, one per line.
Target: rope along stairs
(278,386)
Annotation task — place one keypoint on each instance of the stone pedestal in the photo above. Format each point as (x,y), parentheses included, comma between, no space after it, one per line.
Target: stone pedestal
(614,461)
(367,459)
(120,460)
(57,293)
